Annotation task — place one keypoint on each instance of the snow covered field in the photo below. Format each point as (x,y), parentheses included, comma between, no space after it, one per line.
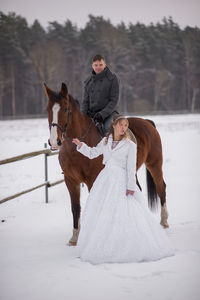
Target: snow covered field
(37,264)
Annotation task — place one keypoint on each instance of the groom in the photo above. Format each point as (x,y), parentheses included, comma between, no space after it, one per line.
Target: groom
(101,94)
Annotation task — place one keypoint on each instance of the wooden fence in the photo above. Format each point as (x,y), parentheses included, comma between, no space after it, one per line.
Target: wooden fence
(47,184)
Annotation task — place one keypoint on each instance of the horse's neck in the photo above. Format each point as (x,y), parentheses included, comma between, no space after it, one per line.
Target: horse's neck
(93,136)
(81,126)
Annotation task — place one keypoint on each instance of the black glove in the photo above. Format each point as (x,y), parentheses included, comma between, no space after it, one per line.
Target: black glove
(89,114)
(98,118)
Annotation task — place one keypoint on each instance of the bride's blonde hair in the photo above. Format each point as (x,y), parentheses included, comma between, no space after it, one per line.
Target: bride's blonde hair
(117,119)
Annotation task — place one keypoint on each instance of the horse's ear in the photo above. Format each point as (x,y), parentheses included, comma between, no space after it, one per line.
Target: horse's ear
(48,91)
(64,90)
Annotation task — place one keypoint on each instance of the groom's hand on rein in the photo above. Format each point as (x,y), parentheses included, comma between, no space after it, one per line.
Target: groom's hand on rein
(77,142)
(98,118)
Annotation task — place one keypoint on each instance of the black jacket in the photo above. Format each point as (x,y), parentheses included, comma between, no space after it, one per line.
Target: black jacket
(101,94)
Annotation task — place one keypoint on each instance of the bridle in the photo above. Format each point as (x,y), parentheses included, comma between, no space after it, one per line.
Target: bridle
(64,130)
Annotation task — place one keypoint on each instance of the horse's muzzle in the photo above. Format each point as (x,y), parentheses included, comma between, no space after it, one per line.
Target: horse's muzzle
(55,147)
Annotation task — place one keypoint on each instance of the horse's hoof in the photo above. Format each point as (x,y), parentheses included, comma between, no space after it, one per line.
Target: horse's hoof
(71,243)
(165,226)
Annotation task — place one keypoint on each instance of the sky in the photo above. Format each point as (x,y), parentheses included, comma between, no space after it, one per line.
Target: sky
(184,12)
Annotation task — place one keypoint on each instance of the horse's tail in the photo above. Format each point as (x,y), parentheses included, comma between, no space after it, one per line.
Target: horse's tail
(151,191)
(151,187)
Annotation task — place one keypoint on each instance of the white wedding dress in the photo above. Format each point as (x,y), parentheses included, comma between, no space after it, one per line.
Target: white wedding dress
(116,228)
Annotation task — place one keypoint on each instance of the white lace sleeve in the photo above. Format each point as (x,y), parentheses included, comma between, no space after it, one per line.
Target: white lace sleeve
(91,152)
(131,167)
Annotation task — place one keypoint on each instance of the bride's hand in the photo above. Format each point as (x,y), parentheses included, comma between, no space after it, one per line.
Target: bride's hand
(77,142)
(129,192)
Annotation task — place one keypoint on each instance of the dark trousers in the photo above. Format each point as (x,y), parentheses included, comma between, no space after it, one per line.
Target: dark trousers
(107,122)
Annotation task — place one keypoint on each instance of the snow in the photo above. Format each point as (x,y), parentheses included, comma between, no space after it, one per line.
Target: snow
(35,261)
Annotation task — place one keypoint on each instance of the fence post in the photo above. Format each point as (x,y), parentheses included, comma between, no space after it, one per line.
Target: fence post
(46,175)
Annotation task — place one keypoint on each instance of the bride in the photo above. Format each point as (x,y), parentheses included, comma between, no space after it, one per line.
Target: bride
(116,226)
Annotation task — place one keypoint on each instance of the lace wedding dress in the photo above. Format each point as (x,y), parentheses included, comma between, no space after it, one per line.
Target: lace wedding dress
(116,228)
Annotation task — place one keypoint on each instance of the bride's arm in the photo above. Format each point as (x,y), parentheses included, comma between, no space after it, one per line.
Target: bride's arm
(131,167)
(90,152)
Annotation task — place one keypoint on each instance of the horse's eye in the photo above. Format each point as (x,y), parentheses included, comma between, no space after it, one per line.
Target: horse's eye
(66,109)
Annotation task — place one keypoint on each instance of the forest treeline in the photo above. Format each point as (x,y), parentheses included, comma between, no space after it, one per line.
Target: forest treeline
(158,65)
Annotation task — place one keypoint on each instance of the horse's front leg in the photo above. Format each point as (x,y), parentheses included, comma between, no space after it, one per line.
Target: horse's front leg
(74,191)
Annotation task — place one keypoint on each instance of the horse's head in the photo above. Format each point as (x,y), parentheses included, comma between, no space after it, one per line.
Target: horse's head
(59,112)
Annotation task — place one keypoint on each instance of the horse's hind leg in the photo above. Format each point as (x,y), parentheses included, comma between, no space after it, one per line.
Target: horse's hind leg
(74,191)
(161,188)
(156,173)
(164,212)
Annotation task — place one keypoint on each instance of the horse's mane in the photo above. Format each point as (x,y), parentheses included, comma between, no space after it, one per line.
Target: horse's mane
(56,97)
(75,103)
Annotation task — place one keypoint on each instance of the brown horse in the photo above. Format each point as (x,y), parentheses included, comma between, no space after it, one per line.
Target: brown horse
(66,121)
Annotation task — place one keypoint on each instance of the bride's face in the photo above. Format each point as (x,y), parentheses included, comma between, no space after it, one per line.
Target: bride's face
(120,128)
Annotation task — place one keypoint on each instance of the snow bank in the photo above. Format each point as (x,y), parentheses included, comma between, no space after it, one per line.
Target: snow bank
(35,261)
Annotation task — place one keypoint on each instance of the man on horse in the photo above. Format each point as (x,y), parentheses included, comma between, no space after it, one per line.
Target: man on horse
(101,94)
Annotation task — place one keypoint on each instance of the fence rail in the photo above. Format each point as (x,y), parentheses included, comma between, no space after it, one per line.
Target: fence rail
(27,155)
(47,184)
